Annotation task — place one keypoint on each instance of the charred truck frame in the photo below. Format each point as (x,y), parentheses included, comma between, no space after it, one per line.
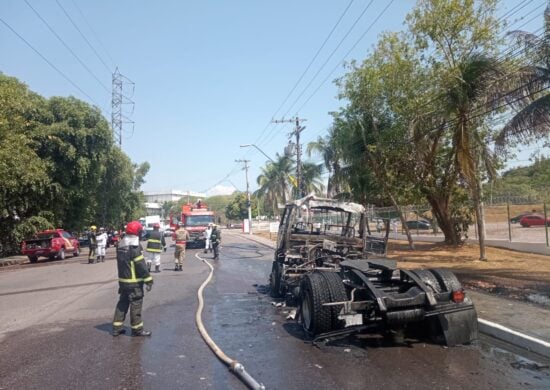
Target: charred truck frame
(336,273)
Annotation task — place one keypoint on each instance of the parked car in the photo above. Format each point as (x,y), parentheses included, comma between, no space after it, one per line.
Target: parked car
(52,244)
(518,217)
(534,220)
(168,232)
(420,224)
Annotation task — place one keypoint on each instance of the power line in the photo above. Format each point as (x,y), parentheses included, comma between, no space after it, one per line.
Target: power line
(82,35)
(305,71)
(51,64)
(93,32)
(326,61)
(67,46)
(331,55)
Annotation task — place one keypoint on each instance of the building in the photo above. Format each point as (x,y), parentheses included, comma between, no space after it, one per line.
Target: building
(169,195)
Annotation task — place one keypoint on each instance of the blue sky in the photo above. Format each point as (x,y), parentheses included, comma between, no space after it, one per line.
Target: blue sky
(209,75)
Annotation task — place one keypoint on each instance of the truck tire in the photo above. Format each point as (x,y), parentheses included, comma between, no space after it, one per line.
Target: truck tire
(275,280)
(337,293)
(33,259)
(61,254)
(315,317)
(429,279)
(447,280)
(76,252)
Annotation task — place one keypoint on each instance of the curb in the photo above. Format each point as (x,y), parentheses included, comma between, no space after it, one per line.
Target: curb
(515,338)
(492,329)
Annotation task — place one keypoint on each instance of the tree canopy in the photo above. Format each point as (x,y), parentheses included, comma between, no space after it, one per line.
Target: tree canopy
(59,167)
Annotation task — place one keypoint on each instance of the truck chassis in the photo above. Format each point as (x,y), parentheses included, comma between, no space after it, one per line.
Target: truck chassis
(328,265)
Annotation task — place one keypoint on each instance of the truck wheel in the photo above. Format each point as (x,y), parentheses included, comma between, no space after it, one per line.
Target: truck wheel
(429,279)
(337,293)
(76,252)
(33,259)
(447,280)
(61,255)
(315,317)
(275,279)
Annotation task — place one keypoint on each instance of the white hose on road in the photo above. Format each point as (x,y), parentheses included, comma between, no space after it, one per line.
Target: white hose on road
(233,364)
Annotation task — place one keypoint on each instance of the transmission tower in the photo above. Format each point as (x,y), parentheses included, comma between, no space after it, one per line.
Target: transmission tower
(123,91)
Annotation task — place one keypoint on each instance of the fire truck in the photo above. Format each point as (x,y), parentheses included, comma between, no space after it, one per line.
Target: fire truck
(195,218)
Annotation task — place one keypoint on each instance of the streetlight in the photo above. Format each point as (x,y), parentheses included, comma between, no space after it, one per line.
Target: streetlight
(260,150)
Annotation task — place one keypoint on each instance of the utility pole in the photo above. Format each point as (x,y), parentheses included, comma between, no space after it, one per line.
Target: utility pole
(297,130)
(248,204)
(119,99)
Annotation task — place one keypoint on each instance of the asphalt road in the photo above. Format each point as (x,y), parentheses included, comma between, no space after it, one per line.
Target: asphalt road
(55,321)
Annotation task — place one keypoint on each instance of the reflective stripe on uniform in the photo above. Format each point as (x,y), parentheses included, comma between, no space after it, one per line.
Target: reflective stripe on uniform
(118,323)
(140,257)
(153,250)
(140,325)
(148,279)
(133,269)
(153,240)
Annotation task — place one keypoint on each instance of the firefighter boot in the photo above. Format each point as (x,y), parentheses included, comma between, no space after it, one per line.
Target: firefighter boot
(117,332)
(141,333)
(176,268)
(98,259)
(103,259)
(181,267)
(157,268)
(149,266)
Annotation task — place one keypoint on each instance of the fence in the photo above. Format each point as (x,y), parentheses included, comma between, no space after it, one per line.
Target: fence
(502,220)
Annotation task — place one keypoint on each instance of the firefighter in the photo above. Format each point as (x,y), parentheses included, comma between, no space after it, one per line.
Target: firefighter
(101,239)
(92,240)
(181,237)
(207,241)
(216,238)
(155,244)
(132,274)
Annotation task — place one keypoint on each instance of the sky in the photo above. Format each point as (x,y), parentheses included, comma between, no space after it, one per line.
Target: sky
(208,76)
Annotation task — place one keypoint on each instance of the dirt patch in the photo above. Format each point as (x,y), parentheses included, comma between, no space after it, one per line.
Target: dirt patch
(507,273)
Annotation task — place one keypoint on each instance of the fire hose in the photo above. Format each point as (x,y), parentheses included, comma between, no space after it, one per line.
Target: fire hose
(234,366)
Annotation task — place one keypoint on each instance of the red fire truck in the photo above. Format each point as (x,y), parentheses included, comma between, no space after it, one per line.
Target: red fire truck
(195,218)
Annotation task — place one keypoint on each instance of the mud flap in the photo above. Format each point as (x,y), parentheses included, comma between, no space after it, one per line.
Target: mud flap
(459,327)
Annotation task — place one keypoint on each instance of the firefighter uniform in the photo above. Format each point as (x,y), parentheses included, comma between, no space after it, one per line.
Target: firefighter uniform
(155,245)
(132,274)
(92,242)
(181,236)
(216,238)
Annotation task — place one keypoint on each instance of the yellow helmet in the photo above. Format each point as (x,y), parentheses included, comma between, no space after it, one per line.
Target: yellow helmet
(93,227)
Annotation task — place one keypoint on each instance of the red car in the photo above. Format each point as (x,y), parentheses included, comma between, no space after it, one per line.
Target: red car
(52,244)
(534,220)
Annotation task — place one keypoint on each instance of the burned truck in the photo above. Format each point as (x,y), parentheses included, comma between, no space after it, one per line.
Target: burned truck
(329,266)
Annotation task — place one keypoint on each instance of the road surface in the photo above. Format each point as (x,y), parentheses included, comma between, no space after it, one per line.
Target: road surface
(55,321)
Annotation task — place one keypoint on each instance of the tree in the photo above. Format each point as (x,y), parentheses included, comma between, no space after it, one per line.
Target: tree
(59,167)
(530,97)
(326,147)
(237,209)
(274,182)
(311,177)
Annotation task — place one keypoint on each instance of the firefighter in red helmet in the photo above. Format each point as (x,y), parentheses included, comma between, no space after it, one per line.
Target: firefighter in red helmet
(132,275)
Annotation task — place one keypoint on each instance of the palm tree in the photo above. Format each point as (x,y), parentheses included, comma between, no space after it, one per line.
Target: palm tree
(311,177)
(274,182)
(530,97)
(327,149)
(475,89)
